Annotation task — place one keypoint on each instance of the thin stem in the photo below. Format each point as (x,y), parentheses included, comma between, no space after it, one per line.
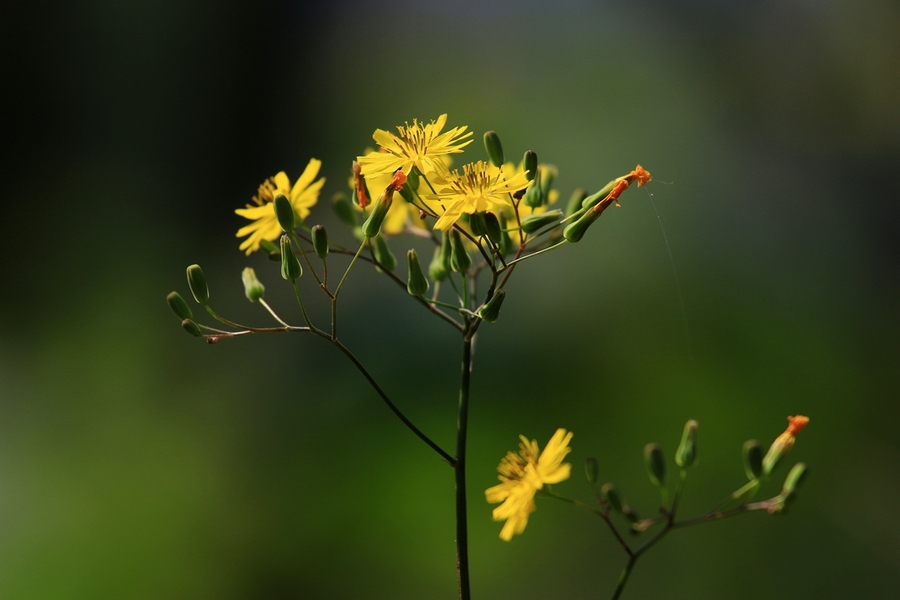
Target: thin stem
(306,258)
(302,308)
(272,312)
(350,266)
(527,256)
(623,578)
(462,427)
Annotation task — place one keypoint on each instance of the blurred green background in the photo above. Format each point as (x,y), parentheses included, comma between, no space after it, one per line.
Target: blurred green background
(136,462)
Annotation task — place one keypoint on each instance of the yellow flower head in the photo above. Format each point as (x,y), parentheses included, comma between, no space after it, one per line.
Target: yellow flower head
(302,195)
(480,188)
(522,475)
(417,145)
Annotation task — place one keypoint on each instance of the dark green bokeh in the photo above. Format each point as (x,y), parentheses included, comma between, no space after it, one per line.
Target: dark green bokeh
(138,462)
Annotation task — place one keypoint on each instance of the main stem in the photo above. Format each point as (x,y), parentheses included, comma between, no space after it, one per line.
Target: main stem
(462,426)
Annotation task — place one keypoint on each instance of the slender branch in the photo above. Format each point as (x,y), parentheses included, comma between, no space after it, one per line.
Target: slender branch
(462,532)
(623,578)
(272,312)
(533,254)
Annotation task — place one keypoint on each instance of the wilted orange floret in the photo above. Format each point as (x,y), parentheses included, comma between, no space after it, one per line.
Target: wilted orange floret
(398,180)
(795,424)
(361,196)
(642,176)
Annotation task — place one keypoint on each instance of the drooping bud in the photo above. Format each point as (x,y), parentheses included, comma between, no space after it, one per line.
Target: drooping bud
(416,284)
(492,227)
(611,495)
(477,224)
(490,312)
(284,212)
(437,270)
(656,464)
(191,327)
(686,455)
(372,226)
(360,189)
(253,287)
(179,306)
(533,223)
(493,147)
(575,201)
(753,457)
(197,283)
(341,205)
(290,266)
(795,477)
(530,164)
(783,443)
(383,253)
(459,258)
(591,469)
(320,241)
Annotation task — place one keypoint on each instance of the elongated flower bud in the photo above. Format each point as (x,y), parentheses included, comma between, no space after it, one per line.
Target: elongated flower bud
(533,223)
(290,266)
(284,212)
(197,283)
(492,227)
(494,148)
(686,455)
(530,164)
(372,226)
(490,312)
(575,230)
(506,244)
(342,208)
(795,477)
(477,224)
(437,270)
(459,258)
(656,464)
(416,284)
(783,443)
(253,287)
(752,454)
(179,306)
(591,469)
(383,253)
(533,195)
(320,241)
(599,194)
(575,201)
(191,327)
(611,494)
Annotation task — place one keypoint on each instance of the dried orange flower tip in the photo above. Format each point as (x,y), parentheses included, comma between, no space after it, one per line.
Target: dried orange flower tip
(795,424)
(398,180)
(642,176)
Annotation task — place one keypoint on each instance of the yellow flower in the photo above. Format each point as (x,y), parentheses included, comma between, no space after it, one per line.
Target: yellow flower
(522,475)
(420,146)
(265,225)
(480,188)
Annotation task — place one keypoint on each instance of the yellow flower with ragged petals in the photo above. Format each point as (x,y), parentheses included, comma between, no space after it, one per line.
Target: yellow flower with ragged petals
(481,187)
(523,475)
(302,196)
(417,145)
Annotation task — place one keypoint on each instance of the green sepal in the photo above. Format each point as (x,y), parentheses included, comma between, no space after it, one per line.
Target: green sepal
(197,283)
(494,148)
(490,312)
(655,462)
(179,306)
(416,284)
(320,241)
(284,212)
(492,227)
(290,266)
(477,224)
(533,223)
(686,455)
(383,253)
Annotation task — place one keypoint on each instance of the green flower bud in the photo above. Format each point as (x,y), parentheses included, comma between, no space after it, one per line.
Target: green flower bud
(591,469)
(506,244)
(533,223)
(656,464)
(342,208)
(179,306)
(197,283)
(383,253)
(406,192)
(413,179)
(533,195)
(575,230)
(575,201)
(530,164)
(753,457)
(490,312)
(416,284)
(320,241)
(686,455)
(611,495)
(373,224)
(191,327)
(437,270)
(284,212)
(459,258)
(599,195)
(630,514)
(492,227)
(253,288)
(795,478)
(493,147)
(290,266)
(477,224)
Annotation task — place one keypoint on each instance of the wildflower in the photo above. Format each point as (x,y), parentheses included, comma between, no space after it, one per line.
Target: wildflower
(420,146)
(480,188)
(522,475)
(302,196)
(783,443)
